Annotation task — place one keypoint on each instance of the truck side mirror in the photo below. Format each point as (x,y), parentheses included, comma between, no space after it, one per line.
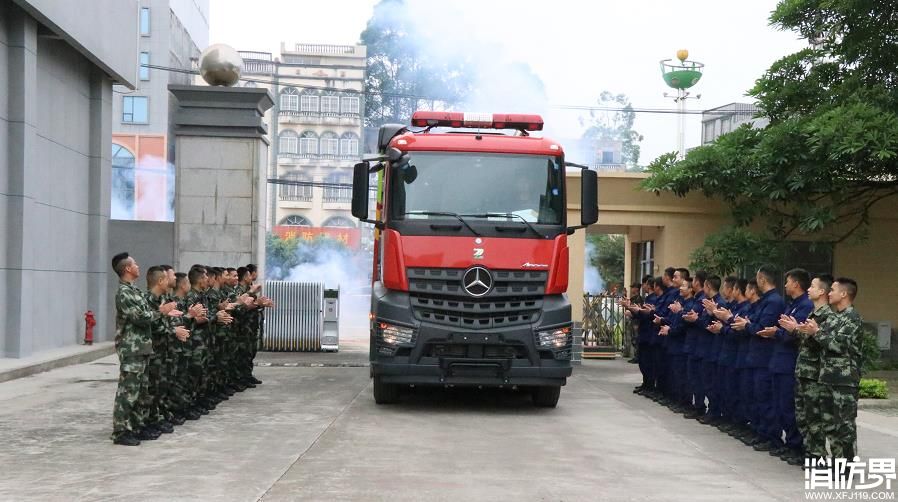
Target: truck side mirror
(589,197)
(360,191)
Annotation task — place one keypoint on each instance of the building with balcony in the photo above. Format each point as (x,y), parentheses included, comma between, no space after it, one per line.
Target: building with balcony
(315,129)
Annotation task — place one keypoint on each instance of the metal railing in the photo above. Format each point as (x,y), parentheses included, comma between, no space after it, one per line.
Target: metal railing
(604,323)
(342,196)
(258,67)
(325,49)
(301,196)
(256,55)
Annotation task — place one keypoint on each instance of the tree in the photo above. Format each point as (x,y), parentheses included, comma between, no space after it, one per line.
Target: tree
(607,256)
(614,126)
(284,255)
(399,74)
(280,256)
(830,150)
(736,251)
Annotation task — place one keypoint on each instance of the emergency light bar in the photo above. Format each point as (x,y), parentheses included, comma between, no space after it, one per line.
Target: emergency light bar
(521,122)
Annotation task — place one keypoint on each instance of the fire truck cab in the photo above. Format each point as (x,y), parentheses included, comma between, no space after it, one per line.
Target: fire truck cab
(471,257)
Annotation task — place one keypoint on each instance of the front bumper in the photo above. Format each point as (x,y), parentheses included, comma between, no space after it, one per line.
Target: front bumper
(452,355)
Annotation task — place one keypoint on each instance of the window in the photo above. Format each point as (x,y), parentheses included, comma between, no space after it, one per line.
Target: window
(349,145)
(350,106)
(295,220)
(301,193)
(308,103)
(330,105)
(330,144)
(143,71)
(288,142)
(122,183)
(607,157)
(145,21)
(530,186)
(308,144)
(249,83)
(135,109)
(290,100)
(339,188)
(339,221)
(646,259)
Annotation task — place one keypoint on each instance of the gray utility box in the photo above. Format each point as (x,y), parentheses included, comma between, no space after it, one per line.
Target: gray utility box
(330,337)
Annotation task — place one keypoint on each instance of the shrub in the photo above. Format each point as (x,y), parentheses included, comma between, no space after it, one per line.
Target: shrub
(873,389)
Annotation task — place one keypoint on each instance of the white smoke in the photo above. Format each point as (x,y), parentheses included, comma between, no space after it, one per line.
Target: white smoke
(146,192)
(337,267)
(454,36)
(592,280)
(332,268)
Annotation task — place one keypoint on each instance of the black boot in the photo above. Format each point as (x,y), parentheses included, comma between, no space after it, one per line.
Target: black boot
(147,434)
(126,440)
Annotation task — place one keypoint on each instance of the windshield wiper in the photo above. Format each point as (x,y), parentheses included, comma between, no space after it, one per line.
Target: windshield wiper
(446,213)
(507,215)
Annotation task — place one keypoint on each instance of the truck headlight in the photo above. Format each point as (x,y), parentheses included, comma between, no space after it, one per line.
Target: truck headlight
(393,335)
(554,339)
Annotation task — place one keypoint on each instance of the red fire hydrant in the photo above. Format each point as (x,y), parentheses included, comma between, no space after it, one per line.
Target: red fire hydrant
(89,323)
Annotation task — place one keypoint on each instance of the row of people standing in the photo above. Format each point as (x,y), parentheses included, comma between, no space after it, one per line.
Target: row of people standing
(781,377)
(185,344)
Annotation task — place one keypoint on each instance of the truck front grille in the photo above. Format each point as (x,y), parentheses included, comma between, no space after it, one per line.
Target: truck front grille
(437,296)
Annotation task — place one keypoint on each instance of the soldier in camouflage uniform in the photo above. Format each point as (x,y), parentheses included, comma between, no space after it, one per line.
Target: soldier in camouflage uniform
(231,349)
(178,398)
(198,353)
(262,302)
(212,336)
(158,416)
(839,338)
(221,320)
(810,395)
(242,343)
(251,323)
(169,336)
(185,387)
(134,346)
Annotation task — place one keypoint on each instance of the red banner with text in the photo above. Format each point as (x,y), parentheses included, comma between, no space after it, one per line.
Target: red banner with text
(348,236)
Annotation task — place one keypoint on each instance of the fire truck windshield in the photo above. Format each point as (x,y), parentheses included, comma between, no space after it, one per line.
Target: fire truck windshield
(503,186)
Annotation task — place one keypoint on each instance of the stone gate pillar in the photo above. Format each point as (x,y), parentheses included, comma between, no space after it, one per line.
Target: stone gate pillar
(221,160)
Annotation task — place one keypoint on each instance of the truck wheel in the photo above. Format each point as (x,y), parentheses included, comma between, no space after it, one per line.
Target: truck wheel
(385,393)
(547,396)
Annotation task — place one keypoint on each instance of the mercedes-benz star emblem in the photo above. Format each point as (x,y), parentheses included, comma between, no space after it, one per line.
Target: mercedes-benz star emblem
(477,281)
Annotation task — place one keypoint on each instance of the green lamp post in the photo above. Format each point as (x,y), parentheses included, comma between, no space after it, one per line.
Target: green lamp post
(681,77)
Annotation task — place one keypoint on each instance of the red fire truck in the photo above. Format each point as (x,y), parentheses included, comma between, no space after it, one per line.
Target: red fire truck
(471,257)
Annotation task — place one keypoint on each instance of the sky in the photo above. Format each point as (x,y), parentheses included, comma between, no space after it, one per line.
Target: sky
(577,48)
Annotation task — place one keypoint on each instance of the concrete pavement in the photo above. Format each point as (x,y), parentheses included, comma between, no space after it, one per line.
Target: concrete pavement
(314,433)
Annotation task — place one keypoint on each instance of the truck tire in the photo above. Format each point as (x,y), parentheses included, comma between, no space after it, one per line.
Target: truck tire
(546,396)
(385,393)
